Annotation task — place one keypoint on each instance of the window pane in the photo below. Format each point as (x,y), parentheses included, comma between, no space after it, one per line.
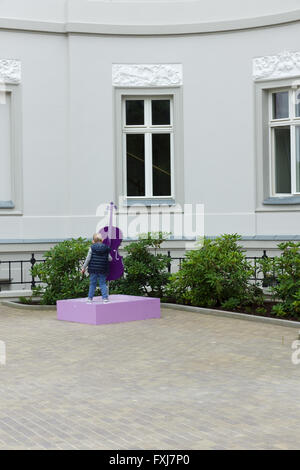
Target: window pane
(160,112)
(135,149)
(298,159)
(134,112)
(281,105)
(5,147)
(161,164)
(297,111)
(282,160)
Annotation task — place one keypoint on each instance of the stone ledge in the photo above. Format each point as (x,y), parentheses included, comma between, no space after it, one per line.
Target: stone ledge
(15,294)
(101,22)
(9,303)
(239,316)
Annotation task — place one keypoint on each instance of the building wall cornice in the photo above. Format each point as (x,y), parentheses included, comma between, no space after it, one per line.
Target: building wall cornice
(89,27)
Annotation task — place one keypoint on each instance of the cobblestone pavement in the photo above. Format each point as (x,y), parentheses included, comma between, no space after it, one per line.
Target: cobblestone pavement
(187,381)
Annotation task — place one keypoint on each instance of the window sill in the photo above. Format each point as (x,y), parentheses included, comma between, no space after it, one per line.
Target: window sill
(149,202)
(285,200)
(7,205)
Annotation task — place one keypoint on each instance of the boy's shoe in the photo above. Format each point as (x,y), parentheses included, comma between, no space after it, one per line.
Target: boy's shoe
(89,301)
(105,301)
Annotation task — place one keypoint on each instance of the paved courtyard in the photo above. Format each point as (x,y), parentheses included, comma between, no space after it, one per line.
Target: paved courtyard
(187,381)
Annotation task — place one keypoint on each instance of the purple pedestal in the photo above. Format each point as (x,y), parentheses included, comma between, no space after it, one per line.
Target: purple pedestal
(121,308)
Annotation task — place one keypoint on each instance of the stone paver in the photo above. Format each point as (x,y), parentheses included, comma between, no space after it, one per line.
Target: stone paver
(187,381)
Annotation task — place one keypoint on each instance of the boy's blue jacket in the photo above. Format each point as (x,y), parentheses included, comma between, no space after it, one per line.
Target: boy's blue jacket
(99,259)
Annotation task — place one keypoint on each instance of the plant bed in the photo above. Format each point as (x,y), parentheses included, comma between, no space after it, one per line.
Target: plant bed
(28,301)
(217,276)
(267,313)
(233,315)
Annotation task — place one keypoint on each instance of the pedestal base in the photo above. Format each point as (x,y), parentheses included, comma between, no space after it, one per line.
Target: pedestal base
(121,308)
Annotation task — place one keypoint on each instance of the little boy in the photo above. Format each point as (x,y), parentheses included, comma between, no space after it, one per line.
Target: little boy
(97,262)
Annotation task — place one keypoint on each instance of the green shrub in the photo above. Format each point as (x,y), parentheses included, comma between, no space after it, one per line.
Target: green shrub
(26,300)
(261,310)
(215,275)
(286,270)
(231,304)
(145,272)
(61,272)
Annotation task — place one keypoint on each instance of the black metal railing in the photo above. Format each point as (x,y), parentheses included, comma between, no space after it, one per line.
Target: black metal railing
(22,270)
(264,279)
(258,279)
(18,272)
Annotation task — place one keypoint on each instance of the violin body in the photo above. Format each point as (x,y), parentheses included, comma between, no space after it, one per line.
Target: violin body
(112,237)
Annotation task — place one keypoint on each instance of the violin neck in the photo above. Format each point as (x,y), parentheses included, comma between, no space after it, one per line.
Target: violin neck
(110,220)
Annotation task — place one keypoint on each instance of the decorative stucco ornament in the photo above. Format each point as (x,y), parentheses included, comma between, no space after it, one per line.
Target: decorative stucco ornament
(283,65)
(10,71)
(146,75)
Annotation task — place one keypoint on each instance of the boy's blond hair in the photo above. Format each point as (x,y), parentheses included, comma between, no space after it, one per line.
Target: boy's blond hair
(97,238)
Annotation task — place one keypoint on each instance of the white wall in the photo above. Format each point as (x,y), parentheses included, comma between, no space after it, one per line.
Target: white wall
(144,17)
(219,150)
(44,95)
(150,12)
(171,12)
(68,126)
(43,10)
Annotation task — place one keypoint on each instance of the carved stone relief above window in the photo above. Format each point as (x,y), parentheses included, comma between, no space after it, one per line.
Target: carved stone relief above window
(147,75)
(283,65)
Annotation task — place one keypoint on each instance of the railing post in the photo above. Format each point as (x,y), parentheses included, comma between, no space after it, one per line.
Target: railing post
(32,261)
(265,281)
(169,263)
(255,271)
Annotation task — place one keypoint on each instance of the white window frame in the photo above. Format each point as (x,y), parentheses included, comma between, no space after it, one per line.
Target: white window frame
(147,129)
(16,206)
(291,121)
(178,189)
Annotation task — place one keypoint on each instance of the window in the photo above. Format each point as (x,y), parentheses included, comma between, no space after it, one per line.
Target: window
(5,150)
(148,134)
(284,128)
(10,151)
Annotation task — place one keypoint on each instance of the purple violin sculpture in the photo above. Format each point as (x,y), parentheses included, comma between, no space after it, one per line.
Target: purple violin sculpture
(112,237)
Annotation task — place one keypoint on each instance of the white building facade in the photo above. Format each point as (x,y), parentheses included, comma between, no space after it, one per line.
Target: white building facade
(173,102)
